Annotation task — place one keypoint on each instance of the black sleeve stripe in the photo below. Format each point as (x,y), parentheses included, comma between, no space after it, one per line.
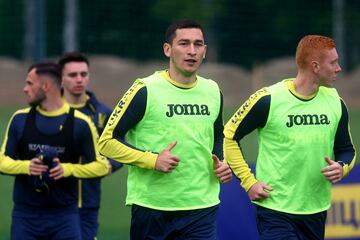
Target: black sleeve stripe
(218,132)
(343,147)
(132,115)
(253,117)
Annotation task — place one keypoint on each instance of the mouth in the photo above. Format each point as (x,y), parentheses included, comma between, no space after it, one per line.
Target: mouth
(190,61)
(78,88)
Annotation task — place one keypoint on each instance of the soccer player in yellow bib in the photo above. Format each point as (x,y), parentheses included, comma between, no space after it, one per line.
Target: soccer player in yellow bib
(304,145)
(168,129)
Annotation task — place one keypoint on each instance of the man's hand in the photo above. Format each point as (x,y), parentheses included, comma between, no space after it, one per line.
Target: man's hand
(37,167)
(259,191)
(166,161)
(57,172)
(334,172)
(109,166)
(221,170)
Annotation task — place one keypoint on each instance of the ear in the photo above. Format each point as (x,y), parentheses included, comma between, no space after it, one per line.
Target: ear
(204,55)
(167,49)
(46,84)
(315,66)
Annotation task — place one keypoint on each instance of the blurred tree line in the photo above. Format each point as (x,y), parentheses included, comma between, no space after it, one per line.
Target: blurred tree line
(240,32)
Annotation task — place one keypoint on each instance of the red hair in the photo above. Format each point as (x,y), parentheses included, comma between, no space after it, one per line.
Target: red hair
(310,47)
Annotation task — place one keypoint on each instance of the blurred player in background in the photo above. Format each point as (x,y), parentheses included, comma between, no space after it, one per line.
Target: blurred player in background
(304,145)
(75,80)
(49,210)
(168,129)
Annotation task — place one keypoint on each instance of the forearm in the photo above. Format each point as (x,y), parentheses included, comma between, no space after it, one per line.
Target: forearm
(218,133)
(235,159)
(93,169)
(344,148)
(118,151)
(13,167)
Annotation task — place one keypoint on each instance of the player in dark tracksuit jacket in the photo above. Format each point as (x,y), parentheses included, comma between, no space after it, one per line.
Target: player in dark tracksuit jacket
(75,79)
(90,189)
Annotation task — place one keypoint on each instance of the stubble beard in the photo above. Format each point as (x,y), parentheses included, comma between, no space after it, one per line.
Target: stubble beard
(40,97)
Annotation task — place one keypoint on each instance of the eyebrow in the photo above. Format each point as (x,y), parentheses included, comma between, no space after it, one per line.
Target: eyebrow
(76,72)
(188,40)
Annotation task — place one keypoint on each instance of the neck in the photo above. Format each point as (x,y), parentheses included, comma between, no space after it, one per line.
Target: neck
(75,99)
(306,84)
(52,103)
(182,78)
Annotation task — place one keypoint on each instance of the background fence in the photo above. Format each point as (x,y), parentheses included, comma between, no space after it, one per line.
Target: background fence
(238,31)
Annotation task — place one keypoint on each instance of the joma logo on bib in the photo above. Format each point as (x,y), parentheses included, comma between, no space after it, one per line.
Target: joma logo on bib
(187,109)
(307,119)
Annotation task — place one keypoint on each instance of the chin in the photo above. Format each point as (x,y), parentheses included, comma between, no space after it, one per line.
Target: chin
(191,70)
(77,93)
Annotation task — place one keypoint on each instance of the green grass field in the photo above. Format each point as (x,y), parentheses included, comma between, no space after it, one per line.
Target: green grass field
(114,216)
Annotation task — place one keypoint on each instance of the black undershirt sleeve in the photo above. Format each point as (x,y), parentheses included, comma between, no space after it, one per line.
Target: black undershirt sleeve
(255,118)
(133,114)
(343,148)
(218,132)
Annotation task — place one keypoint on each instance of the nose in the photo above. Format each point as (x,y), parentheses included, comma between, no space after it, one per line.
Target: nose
(338,69)
(192,49)
(79,78)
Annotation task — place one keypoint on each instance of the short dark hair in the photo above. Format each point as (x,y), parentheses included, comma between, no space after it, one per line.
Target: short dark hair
(180,24)
(47,68)
(72,57)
